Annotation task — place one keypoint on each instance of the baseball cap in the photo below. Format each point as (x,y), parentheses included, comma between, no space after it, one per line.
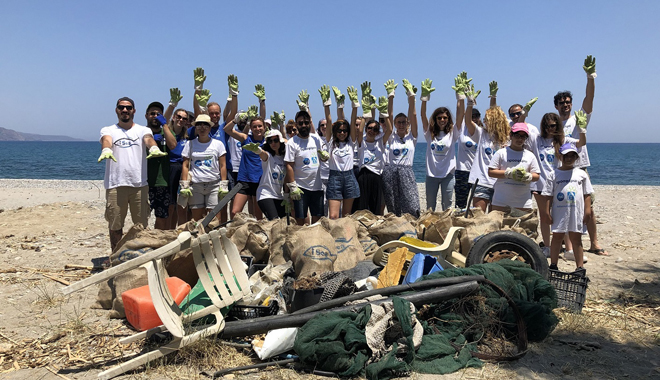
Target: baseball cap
(126,98)
(568,147)
(158,105)
(519,127)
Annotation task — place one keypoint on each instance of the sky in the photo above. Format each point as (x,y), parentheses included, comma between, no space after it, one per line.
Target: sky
(65,63)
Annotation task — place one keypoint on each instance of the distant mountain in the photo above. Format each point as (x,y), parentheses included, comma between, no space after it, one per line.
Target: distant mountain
(11,135)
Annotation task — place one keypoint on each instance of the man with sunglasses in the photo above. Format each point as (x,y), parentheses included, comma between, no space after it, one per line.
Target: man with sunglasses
(124,149)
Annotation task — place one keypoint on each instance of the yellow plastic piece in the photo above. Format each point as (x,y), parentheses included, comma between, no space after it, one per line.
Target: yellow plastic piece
(417,243)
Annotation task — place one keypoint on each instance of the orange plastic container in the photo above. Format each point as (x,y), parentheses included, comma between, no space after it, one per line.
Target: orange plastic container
(140,310)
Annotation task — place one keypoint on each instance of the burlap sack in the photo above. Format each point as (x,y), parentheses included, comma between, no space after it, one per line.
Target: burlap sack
(392,227)
(369,244)
(139,241)
(312,250)
(433,226)
(278,234)
(258,241)
(109,296)
(365,217)
(529,222)
(347,243)
(237,221)
(476,226)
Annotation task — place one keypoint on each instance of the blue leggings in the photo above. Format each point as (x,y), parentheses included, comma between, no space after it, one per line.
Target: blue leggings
(446,186)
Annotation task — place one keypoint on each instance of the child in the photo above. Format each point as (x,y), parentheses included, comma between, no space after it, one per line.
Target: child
(514,167)
(567,190)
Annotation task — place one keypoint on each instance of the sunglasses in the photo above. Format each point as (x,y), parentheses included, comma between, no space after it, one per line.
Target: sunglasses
(342,131)
(515,114)
(520,135)
(272,140)
(178,117)
(121,107)
(375,129)
(565,102)
(153,113)
(552,126)
(303,122)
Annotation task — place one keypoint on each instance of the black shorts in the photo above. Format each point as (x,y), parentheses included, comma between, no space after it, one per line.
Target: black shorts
(249,188)
(175,177)
(159,201)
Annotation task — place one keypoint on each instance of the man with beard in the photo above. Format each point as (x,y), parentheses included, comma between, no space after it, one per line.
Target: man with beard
(124,151)
(158,169)
(303,177)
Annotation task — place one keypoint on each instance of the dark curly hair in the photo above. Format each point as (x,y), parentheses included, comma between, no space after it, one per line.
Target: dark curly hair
(561,95)
(435,128)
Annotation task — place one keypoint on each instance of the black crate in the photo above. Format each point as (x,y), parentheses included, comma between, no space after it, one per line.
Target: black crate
(254,268)
(571,289)
(248,312)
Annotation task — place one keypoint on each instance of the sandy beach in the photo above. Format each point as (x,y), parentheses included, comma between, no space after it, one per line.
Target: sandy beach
(47,224)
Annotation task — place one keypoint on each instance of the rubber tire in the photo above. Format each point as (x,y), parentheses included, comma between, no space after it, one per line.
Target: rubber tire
(510,241)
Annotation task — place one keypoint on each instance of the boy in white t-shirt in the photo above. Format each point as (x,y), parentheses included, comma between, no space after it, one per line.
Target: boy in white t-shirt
(569,205)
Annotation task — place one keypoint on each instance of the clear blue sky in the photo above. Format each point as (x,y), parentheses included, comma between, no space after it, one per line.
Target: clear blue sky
(64,63)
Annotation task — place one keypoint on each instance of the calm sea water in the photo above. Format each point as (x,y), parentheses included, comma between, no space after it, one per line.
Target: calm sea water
(611,164)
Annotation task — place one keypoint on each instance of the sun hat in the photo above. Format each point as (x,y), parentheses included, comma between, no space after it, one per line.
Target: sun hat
(203,119)
(568,147)
(274,132)
(520,127)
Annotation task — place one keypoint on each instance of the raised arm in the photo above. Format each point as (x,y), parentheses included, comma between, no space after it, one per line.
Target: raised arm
(526,108)
(459,89)
(471,96)
(382,109)
(339,99)
(493,93)
(325,98)
(175,97)
(589,68)
(354,130)
(360,130)
(229,128)
(390,88)
(412,116)
(260,93)
(199,77)
(581,121)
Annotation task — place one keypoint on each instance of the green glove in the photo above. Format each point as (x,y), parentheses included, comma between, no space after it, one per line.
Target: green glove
(529,105)
(286,202)
(581,120)
(199,78)
(368,105)
(427,89)
(232,81)
(155,152)
(590,66)
(366,88)
(410,89)
(252,147)
(278,118)
(260,92)
(186,192)
(390,86)
(464,78)
(294,191)
(382,106)
(303,100)
(519,173)
(339,97)
(325,95)
(240,117)
(203,98)
(471,94)
(105,154)
(223,189)
(353,95)
(175,96)
(323,155)
(459,87)
(252,112)
(493,89)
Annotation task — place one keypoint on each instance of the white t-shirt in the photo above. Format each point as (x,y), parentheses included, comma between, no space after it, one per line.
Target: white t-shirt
(548,162)
(485,151)
(441,153)
(304,156)
(467,149)
(131,154)
(235,152)
(372,155)
(272,179)
(571,129)
(401,151)
(567,189)
(508,192)
(204,164)
(341,157)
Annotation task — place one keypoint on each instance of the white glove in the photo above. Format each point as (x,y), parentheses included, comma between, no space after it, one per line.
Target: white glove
(508,173)
(223,189)
(294,192)
(527,178)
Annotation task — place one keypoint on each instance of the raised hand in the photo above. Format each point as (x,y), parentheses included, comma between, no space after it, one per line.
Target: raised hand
(368,104)
(529,105)
(464,78)
(590,66)
(325,95)
(459,87)
(155,152)
(199,78)
(410,89)
(252,147)
(260,92)
(278,118)
(493,89)
(203,98)
(366,88)
(581,120)
(471,94)
(353,95)
(339,97)
(390,86)
(232,81)
(175,96)
(382,106)
(240,117)
(427,89)
(303,100)
(105,154)
(252,112)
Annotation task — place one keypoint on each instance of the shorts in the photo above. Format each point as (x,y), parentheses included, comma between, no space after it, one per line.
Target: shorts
(204,195)
(249,188)
(119,199)
(309,200)
(342,185)
(175,177)
(484,192)
(159,201)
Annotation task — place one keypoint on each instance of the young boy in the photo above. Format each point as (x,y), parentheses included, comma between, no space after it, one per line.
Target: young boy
(569,205)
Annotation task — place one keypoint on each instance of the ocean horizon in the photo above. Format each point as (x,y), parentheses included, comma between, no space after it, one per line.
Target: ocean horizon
(611,163)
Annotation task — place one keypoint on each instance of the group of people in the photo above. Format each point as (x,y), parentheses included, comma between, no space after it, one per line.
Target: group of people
(184,162)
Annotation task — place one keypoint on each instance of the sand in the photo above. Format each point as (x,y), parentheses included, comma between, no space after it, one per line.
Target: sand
(46,224)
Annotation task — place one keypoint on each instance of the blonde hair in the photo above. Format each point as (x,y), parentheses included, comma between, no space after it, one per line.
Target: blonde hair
(497,126)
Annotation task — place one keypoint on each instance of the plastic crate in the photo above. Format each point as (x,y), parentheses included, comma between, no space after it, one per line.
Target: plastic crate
(239,311)
(571,289)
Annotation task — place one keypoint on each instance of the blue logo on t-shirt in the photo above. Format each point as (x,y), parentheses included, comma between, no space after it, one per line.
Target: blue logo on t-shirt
(432,146)
(468,144)
(489,151)
(306,161)
(404,152)
(550,158)
(274,175)
(396,152)
(238,144)
(571,196)
(560,197)
(541,156)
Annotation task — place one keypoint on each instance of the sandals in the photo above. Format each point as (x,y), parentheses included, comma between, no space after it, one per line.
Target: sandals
(599,252)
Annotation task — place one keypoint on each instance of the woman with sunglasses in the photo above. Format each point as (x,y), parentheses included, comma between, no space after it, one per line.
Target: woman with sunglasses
(250,171)
(176,136)
(441,135)
(342,187)
(204,159)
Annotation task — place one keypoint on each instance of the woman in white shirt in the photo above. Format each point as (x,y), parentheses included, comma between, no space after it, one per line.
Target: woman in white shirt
(372,161)
(269,191)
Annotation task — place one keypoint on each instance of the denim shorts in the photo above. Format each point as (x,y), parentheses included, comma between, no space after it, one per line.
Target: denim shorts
(484,192)
(309,200)
(342,185)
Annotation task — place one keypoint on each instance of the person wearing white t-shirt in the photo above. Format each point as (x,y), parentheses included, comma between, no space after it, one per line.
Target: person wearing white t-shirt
(269,192)
(441,134)
(568,207)
(465,152)
(124,149)
(514,167)
(204,159)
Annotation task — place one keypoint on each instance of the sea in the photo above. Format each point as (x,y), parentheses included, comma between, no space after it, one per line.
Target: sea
(611,163)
